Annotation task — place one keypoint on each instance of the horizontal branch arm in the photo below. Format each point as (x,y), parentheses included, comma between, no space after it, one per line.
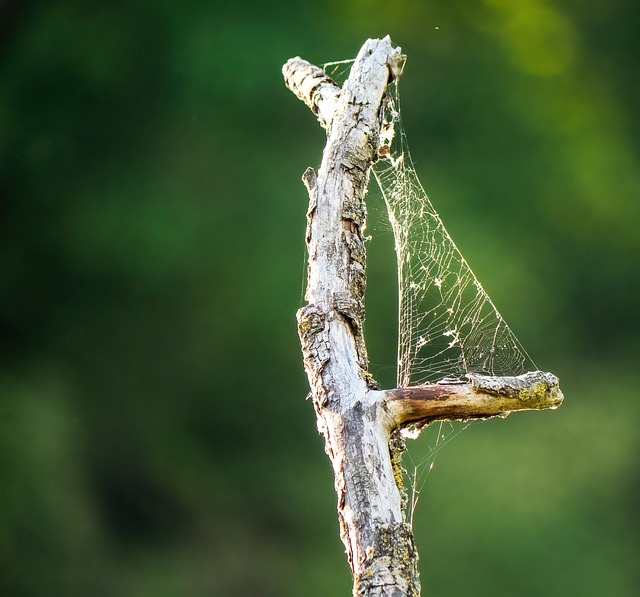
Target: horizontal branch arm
(481,398)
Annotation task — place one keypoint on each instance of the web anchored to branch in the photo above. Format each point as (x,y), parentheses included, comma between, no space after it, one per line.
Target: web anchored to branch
(449,327)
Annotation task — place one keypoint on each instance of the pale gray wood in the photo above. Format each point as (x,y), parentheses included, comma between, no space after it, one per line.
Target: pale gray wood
(350,413)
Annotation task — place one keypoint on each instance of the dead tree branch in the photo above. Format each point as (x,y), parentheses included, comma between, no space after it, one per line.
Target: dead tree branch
(354,416)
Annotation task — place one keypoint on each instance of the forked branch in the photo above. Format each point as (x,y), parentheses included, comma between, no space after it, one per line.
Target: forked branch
(354,416)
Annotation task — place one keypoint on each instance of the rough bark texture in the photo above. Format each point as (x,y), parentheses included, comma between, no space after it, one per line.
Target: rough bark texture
(350,414)
(358,421)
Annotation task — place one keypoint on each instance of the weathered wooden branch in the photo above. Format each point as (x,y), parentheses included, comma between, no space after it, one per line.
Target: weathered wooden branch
(357,419)
(483,397)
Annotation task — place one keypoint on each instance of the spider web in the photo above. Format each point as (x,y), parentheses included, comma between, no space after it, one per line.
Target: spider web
(448,325)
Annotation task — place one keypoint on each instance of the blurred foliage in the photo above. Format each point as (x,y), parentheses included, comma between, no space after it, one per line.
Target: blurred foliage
(155,439)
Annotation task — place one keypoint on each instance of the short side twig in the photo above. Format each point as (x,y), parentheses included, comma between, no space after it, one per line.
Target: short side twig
(481,398)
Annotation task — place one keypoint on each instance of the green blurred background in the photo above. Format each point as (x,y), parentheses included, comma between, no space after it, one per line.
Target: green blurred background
(155,438)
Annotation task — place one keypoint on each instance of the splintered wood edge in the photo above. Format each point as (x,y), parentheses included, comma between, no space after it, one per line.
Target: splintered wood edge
(481,398)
